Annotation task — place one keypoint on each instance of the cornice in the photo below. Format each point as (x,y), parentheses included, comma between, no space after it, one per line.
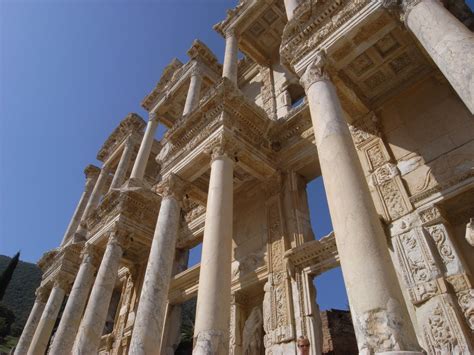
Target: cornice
(166,76)
(133,123)
(314,22)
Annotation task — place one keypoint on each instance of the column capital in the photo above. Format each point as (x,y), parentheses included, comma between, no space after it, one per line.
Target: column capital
(91,171)
(223,145)
(42,294)
(91,254)
(172,186)
(119,237)
(230,32)
(63,282)
(153,117)
(316,71)
(196,70)
(402,7)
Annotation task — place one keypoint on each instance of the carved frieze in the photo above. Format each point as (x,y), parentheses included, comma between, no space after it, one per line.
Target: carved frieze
(313,22)
(416,262)
(444,245)
(441,328)
(278,324)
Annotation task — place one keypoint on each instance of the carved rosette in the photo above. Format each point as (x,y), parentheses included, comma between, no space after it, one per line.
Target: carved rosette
(172,187)
(316,71)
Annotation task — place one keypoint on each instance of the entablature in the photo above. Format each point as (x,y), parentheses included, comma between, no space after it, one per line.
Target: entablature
(168,98)
(132,210)
(65,263)
(224,111)
(133,124)
(318,255)
(259,26)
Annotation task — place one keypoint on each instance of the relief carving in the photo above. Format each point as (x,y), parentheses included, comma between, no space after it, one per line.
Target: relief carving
(466,302)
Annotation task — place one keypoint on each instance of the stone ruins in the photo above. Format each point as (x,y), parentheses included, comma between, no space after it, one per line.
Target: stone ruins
(374,96)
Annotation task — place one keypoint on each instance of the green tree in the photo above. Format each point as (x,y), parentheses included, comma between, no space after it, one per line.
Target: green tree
(6,320)
(7,274)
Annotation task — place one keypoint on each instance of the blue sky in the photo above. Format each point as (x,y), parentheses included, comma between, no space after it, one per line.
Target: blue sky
(69,72)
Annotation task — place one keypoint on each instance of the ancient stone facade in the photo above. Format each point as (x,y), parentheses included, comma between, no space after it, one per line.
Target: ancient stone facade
(374,96)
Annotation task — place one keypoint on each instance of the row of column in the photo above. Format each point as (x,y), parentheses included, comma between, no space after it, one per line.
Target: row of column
(80,327)
(96,181)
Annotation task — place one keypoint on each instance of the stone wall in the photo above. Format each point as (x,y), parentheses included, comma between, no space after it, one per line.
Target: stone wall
(338,333)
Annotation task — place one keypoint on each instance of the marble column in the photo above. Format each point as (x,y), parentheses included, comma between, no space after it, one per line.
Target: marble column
(71,318)
(448,42)
(93,201)
(194,90)
(32,322)
(213,301)
(378,311)
(124,163)
(92,173)
(229,69)
(40,340)
(290,6)
(92,325)
(151,311)
(138,171)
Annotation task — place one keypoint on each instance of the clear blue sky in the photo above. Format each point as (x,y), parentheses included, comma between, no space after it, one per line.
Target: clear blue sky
(69,72)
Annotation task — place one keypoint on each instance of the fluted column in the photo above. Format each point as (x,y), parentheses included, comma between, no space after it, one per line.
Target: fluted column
(32,322)
(149,321)
(92,173)
(194,90)
(290,6)
(229,69)
(448,42)
(71,318)
(213,301)
(380,317)
(138,171)
(40,340)
(93,201)
(92,325)
(119,176)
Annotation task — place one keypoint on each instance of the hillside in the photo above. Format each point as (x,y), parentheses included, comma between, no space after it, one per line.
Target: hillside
(20,294)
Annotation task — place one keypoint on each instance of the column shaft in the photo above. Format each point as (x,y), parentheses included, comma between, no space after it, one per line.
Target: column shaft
(214,296)
(449,43)
(151,311)
(92,325)
(229,70)
(138,171)
(377,305)
(71,318)
(119,176)
(30,326)
(81,206)
(194,90)
(290,6)
(45,326)
(92,203)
